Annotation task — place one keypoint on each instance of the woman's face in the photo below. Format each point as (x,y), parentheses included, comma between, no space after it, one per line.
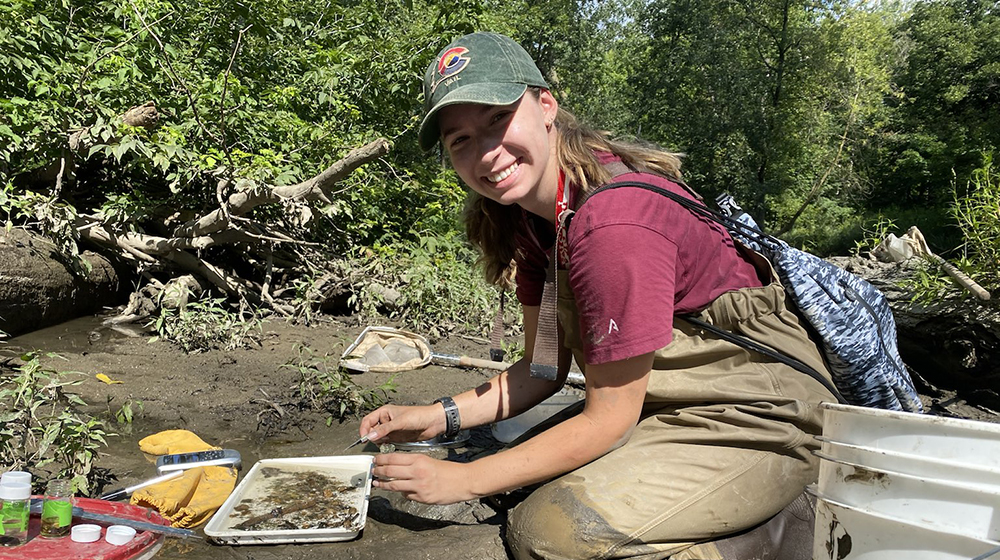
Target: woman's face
(504,152)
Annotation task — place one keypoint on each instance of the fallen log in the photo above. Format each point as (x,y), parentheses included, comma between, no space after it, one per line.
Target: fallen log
(250,195)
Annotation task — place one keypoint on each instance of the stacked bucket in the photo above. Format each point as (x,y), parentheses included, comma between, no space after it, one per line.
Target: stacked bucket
(896,485)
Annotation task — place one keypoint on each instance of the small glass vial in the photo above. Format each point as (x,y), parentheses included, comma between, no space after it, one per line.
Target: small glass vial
(15,509)
(57,509)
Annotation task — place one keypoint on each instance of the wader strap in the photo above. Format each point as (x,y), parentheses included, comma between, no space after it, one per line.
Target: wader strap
(496,333)
(545,357)
(750,344)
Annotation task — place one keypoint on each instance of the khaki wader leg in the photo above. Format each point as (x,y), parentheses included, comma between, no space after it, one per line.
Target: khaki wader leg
(723,445)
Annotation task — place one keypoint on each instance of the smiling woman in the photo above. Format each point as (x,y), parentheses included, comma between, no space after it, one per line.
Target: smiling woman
(687,446)
(506,153)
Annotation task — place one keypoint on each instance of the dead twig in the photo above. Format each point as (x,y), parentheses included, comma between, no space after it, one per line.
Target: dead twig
(315,188)
(273,404)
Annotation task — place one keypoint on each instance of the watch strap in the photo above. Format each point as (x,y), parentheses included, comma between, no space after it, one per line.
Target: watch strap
(453,421)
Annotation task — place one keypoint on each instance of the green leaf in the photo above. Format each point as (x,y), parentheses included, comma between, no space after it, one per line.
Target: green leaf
(118,150)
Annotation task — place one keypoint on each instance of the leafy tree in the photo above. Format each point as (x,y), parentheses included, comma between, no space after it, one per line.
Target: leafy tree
(946,114)
(134,116)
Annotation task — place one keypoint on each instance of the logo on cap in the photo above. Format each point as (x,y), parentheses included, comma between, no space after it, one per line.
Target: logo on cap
(452,62)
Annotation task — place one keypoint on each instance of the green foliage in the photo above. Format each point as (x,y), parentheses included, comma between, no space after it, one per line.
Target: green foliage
(207,325)
(440,285)
(946,112)
(267,91)
(43,428)
(817,116)
(978,216)
(47,215)
(125,413)
(323,385)
(433,284)
(929,285)
(874,235)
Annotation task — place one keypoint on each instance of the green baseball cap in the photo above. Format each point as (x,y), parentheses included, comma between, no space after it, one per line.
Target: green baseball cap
(480,68)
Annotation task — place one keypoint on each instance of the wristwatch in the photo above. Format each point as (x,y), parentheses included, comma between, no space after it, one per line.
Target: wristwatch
(453,421)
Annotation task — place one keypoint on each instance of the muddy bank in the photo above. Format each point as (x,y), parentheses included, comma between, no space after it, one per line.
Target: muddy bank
(230,399)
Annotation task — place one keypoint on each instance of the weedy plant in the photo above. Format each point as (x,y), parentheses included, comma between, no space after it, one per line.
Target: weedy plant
(439,286)
(42,426)
(126,413)
(206,325)
(323,385)
(978,216)
(874,235)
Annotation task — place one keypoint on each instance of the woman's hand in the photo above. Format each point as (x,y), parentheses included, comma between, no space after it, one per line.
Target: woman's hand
(394,423)
(418,477)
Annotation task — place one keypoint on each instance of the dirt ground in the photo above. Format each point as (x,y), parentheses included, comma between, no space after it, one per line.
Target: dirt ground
(229,398)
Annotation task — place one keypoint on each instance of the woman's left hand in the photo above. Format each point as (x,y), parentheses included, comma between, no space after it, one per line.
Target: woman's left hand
(422,479)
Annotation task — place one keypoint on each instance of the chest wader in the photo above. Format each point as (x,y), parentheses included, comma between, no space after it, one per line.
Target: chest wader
(716,466)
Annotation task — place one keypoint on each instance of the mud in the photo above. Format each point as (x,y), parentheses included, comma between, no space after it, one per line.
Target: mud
(232,399)
(245,400)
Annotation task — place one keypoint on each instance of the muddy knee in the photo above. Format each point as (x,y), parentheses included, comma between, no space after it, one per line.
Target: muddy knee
(554,524)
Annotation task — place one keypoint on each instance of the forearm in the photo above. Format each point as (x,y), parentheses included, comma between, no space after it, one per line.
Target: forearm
(561,449)
(508,394)
(615,393)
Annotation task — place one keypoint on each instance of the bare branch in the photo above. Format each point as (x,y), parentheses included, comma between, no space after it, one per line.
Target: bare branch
(316,188)
(219,278)
(59,178)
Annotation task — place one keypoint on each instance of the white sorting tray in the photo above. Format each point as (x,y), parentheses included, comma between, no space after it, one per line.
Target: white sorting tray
(355,470)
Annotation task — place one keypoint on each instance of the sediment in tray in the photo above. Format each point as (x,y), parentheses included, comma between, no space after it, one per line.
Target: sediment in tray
(297,498)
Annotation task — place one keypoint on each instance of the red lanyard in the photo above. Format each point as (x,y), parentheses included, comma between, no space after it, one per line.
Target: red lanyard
(562,205)
(562,201)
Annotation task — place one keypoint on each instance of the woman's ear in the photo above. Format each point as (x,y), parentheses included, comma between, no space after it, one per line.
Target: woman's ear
(550,107)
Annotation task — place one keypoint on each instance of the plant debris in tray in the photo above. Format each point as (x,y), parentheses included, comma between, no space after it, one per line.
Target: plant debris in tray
(297,498)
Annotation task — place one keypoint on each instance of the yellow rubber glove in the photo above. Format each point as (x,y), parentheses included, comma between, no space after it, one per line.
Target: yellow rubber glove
(192,498)
(169,442)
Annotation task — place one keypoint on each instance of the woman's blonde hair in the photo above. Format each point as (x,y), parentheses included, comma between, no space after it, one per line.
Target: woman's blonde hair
(491,226)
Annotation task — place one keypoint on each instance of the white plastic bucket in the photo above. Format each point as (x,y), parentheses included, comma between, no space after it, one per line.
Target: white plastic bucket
(847,533)
(933,504)
(949,439)
(925,466)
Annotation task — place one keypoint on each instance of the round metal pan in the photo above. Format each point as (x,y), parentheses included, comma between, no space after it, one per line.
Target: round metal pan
(457,440)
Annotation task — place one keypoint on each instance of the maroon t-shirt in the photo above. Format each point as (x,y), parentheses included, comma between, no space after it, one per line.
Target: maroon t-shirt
(636,259)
